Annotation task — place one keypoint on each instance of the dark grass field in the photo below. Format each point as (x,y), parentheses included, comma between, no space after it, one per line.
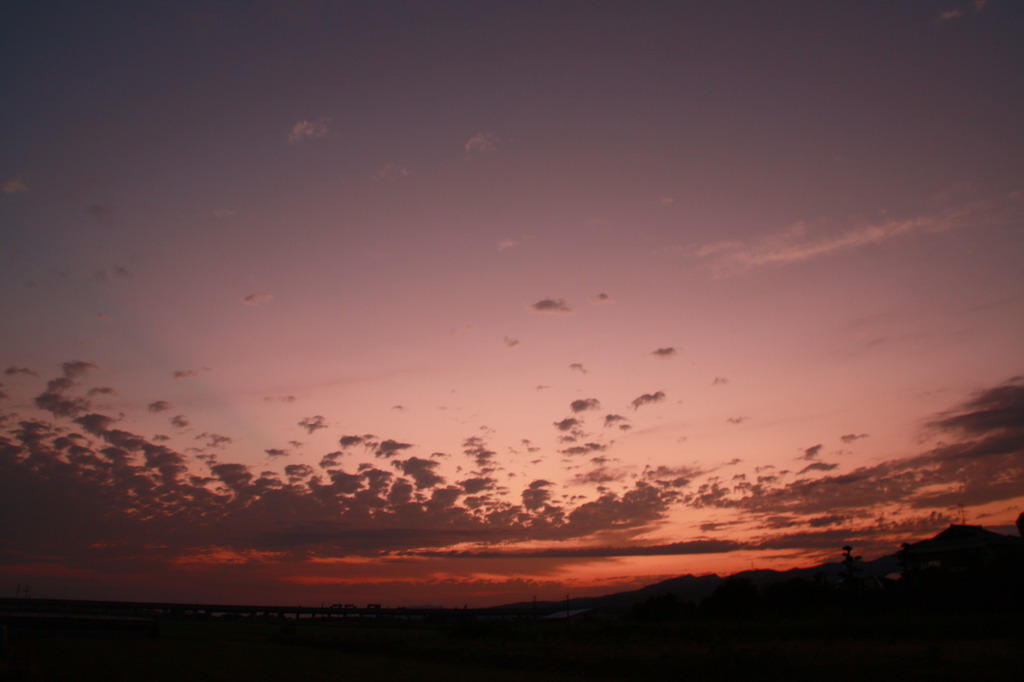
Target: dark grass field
(820,648)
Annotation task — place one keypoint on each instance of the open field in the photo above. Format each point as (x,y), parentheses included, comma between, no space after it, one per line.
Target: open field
(904,648)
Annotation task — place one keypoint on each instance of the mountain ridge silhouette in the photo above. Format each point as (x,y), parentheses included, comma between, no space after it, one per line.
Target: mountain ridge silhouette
(694,588)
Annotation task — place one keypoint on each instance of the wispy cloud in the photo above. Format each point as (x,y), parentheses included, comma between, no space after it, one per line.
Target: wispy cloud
(308,130)
(956,13)
(256,300)
(481,143)
(189,373)
(804,241)
(390,172)
(14,186)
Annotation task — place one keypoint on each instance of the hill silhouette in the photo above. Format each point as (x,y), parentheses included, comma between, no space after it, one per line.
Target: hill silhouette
(694,588)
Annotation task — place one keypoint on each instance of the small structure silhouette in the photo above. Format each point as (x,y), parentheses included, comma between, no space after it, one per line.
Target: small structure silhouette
(962,548)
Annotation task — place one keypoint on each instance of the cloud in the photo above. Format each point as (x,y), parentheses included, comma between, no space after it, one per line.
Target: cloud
(86,490)
(179,421)
(215,440)
(473,486)
(14,186)
(276,452)
(56,399)
(510,342)
(101,276)
(390,448)
(818,466)
(683,548)
(279,398)
(298,472)
(804,241)
(585,404)
(584,449)
(159,406)
(811,452)
(390,172)
(737,420)
(577,367)
(475,447)
(537,494)
(313,424)
(995,409)
(675,477)
(602,298)
(601,475)
(613,419)
(421,470)
(308,130)
(189,373)
(851,437)
(664,352)
(482,143)
(950,14)
(983,464)
(648,399)
(256,300)
(636,508)
(551,305)
(567,424)
(13,370)
(507,244)
(720,381)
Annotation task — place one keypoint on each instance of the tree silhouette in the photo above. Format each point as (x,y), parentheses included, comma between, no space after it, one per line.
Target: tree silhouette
(850,568)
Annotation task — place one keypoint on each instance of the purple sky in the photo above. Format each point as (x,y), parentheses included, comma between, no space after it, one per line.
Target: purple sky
(469,302)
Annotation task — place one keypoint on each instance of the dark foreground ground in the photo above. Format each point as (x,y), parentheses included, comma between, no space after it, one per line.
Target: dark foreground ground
(820,648)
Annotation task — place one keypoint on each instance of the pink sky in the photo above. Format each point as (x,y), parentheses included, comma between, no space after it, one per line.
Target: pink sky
(466,303)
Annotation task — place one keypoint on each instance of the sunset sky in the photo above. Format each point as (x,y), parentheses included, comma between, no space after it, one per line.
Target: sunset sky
(474,302)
